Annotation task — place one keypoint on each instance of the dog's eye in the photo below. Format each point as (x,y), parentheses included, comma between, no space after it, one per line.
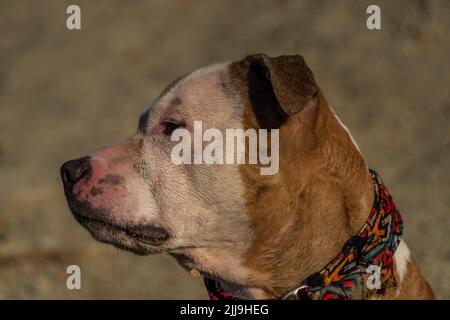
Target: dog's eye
(170,126)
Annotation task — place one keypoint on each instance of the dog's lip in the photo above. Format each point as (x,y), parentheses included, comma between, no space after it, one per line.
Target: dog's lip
(144,234)
(89,219)
(149,234)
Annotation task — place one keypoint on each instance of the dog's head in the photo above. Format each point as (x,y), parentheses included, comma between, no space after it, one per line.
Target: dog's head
(135,196)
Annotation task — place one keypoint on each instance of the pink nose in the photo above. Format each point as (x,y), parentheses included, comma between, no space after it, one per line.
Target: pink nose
(74,170)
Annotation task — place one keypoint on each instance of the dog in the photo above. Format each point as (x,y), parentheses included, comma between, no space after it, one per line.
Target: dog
(251,236)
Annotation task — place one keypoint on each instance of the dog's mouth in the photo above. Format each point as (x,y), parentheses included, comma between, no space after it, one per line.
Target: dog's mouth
(139,239)
(149,235)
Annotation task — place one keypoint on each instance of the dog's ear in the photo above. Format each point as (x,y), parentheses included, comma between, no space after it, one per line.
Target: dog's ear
(279,87)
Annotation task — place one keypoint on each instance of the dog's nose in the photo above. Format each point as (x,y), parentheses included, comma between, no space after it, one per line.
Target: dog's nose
(74,170)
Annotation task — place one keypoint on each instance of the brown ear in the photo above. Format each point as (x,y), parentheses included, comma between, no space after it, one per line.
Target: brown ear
(285,81)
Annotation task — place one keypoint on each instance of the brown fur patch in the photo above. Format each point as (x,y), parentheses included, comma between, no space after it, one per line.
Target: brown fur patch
(321,195)
(413,287)
(290,78)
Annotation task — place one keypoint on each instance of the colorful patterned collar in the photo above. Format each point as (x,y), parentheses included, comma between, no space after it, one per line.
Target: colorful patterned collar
(346,276)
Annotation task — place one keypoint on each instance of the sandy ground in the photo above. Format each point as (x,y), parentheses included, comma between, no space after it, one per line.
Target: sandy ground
(64,93)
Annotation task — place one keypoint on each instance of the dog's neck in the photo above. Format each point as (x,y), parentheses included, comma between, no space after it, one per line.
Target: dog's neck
(321,198)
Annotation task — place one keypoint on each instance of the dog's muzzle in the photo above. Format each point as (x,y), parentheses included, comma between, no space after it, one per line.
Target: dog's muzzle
(74,171)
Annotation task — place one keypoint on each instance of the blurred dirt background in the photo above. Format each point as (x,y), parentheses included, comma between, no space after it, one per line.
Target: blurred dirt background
(64,93)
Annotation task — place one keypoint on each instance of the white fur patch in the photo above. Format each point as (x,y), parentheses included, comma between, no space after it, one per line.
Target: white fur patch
(401,257)
(202,71)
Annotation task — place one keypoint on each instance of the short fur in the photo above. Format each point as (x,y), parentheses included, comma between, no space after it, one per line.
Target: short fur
(259,235)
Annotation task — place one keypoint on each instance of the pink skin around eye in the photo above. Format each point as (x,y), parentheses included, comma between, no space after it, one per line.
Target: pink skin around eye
(158,128)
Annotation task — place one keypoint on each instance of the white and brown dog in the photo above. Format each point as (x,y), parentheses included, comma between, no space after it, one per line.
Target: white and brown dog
(258,236)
